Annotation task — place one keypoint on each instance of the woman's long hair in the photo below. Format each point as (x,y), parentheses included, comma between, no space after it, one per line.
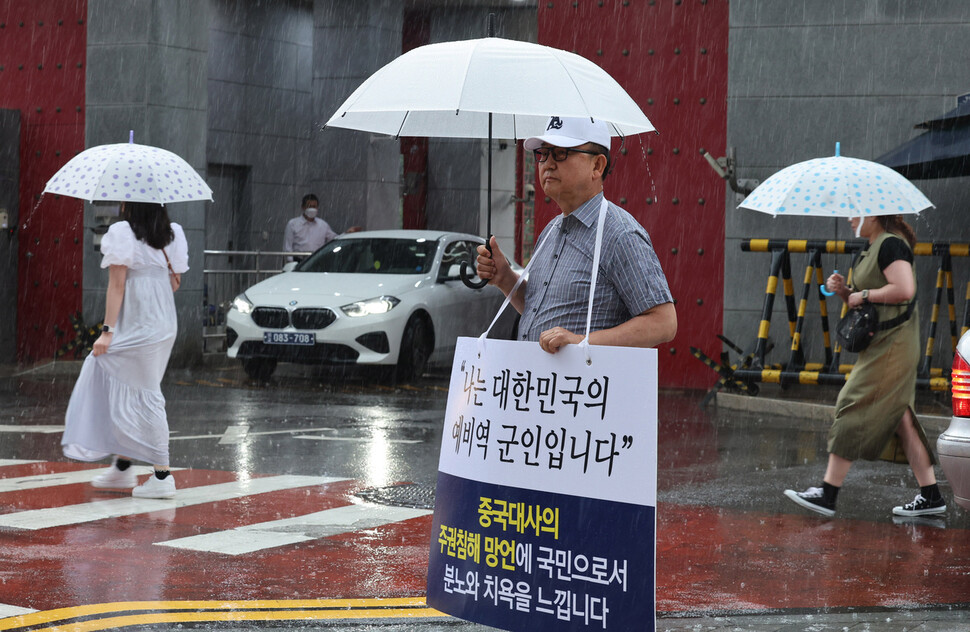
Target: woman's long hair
(895,224)
(149,222)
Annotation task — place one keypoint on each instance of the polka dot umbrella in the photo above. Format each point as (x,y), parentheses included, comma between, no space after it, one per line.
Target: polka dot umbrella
(127,172)
(836,187)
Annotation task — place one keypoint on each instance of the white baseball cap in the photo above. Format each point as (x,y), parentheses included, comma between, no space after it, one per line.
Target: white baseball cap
(571,132)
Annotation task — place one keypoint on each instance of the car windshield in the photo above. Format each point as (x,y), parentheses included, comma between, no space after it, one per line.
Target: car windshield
(372,256)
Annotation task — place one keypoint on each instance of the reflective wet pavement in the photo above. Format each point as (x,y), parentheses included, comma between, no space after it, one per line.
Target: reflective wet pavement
(305,502)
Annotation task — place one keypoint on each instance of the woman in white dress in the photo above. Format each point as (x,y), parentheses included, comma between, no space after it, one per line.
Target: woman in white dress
(117,407)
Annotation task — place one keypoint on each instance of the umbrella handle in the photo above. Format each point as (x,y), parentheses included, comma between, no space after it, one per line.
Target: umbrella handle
(823,290)
(475,285)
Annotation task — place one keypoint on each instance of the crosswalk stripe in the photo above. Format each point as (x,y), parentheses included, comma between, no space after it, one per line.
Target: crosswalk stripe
(42,429)
(4,462)
(6,610)
(234,434)
(88,512)
(22,483)
(322,524)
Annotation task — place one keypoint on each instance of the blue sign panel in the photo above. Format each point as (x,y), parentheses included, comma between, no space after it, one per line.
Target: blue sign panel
(518,559)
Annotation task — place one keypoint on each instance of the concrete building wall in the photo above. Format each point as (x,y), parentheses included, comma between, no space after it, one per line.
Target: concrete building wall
(805,75)
(146,72)
(356,174)
(241,90)
(259,117)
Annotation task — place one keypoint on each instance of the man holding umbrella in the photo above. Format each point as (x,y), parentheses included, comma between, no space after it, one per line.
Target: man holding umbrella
(633,305)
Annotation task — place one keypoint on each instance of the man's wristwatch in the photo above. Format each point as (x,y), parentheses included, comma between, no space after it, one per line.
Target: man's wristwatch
(865,295)
(107,329)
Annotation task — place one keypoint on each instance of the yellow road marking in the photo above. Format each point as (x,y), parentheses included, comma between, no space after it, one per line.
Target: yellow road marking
(196,611)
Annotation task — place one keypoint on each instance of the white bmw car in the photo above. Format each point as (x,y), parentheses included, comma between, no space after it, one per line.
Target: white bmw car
(390,297)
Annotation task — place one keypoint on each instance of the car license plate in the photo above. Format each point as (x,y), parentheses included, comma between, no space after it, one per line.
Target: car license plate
(288,338)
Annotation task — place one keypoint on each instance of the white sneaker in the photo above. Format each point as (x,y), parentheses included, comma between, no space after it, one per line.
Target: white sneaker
(155,488)
(113,478)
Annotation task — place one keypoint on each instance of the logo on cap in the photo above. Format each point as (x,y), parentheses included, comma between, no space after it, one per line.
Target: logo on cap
(554,123)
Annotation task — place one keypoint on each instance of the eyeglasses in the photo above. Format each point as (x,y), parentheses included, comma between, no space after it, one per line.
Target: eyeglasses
(559,153)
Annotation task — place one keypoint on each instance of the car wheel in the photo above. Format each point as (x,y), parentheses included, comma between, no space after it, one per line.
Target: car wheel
(259,369)
(416,345)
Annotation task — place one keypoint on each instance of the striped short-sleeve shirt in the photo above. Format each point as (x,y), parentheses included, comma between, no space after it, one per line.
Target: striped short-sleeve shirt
(630,279)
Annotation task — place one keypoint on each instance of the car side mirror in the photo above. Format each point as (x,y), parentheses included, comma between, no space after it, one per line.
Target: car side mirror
(290,265)
(453,273)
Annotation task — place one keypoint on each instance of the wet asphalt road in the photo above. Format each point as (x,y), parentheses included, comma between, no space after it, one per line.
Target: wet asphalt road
(347,424)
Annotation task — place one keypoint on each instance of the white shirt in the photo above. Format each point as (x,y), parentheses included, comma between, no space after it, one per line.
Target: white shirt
(302,235)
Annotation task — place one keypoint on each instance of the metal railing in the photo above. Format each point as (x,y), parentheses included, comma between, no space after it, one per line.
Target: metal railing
(226,274)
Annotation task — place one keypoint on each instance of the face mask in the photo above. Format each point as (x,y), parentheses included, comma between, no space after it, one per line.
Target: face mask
(310,213)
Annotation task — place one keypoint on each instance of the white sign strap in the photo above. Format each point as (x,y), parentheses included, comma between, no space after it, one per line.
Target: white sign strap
(508,298)
(584,345)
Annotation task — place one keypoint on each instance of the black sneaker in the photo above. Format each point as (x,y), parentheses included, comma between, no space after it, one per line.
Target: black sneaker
(921,507)
(813,500)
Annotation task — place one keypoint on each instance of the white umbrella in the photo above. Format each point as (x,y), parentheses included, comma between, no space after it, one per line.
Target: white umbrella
(450,89)
(126,172)
(836,187)
(487,88)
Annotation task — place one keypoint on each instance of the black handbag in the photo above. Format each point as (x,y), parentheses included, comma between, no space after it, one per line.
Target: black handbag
(857,328)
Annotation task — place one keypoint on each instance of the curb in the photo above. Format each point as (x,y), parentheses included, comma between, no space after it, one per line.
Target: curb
(813,411)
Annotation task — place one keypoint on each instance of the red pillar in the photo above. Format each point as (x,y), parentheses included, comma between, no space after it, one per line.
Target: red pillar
(414,150)
(43,54)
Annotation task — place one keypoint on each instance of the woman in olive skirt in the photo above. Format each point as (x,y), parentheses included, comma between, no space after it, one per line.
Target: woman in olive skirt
(874,414)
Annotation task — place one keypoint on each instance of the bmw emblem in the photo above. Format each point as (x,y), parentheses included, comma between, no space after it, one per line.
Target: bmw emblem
(292,303)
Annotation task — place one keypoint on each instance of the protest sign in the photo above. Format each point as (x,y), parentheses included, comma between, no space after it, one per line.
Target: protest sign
(545,511)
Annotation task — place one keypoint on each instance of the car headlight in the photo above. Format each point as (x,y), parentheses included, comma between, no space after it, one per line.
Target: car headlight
(242,304)
(377,305)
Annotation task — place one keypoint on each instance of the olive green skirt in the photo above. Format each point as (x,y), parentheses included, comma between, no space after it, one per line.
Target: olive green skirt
(881,386)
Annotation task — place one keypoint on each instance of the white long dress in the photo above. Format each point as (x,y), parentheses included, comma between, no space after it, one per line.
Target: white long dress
(117,405)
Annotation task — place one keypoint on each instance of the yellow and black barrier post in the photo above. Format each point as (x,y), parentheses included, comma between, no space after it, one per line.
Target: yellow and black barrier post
(944,281)
(753,367)
(781,260)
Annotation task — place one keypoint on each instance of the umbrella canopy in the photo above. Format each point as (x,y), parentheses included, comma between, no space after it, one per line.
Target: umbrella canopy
(486,88)
(450,89)
(941,152)
(126,172)
(836,187)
